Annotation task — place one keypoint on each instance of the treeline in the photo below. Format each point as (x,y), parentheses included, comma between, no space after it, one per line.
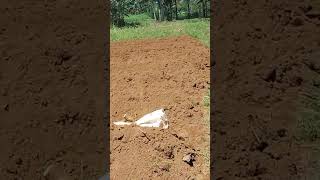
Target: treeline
(160,10)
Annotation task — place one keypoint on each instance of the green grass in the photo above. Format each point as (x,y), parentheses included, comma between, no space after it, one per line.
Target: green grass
(147,28)
(309,118)
(309,124)
(139,20)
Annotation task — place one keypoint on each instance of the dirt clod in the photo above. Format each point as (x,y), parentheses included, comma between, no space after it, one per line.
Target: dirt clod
(189,158)
(6,107)
(282,132)
(271,76)
(298,21)
(165,167)
(261,146)
(55,172)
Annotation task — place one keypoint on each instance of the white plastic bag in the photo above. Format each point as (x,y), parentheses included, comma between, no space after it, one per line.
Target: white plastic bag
(153,119)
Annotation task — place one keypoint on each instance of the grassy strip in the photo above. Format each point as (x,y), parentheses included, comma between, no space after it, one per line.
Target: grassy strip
(142,27)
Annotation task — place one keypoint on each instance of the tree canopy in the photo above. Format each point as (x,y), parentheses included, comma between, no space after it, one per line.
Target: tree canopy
(160,10)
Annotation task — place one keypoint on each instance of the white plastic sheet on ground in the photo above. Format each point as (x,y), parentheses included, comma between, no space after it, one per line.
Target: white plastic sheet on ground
(153,119)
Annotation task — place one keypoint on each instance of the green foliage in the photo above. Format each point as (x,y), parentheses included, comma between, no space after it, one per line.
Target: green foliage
(120,9)
(160,10)
(194,9)
(138,20)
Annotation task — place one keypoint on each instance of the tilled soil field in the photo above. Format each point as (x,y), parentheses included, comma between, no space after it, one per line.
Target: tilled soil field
(171,73)
(51,89)
(267,60)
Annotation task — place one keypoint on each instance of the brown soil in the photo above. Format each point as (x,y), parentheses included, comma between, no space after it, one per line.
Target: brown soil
(263,51)
(51,88)
(171,73)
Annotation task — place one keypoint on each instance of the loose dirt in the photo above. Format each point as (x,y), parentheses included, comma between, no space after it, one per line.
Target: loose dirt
(172,73)
(51,88)
(262,50)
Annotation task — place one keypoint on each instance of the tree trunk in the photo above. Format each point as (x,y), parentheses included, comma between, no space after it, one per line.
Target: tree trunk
(154,14)
(203,8)
(170,10)
(208,8)
(176,5)
(154,8)
(160,10)
(189,14)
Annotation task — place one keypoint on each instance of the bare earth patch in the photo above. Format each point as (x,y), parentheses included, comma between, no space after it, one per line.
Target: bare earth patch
(172,73)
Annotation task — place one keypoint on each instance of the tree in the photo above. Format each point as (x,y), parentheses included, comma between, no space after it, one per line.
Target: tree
(204,7)
(161,10)
(176,6)
(168,10)
(189,12)
(120,9)
(154,10)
